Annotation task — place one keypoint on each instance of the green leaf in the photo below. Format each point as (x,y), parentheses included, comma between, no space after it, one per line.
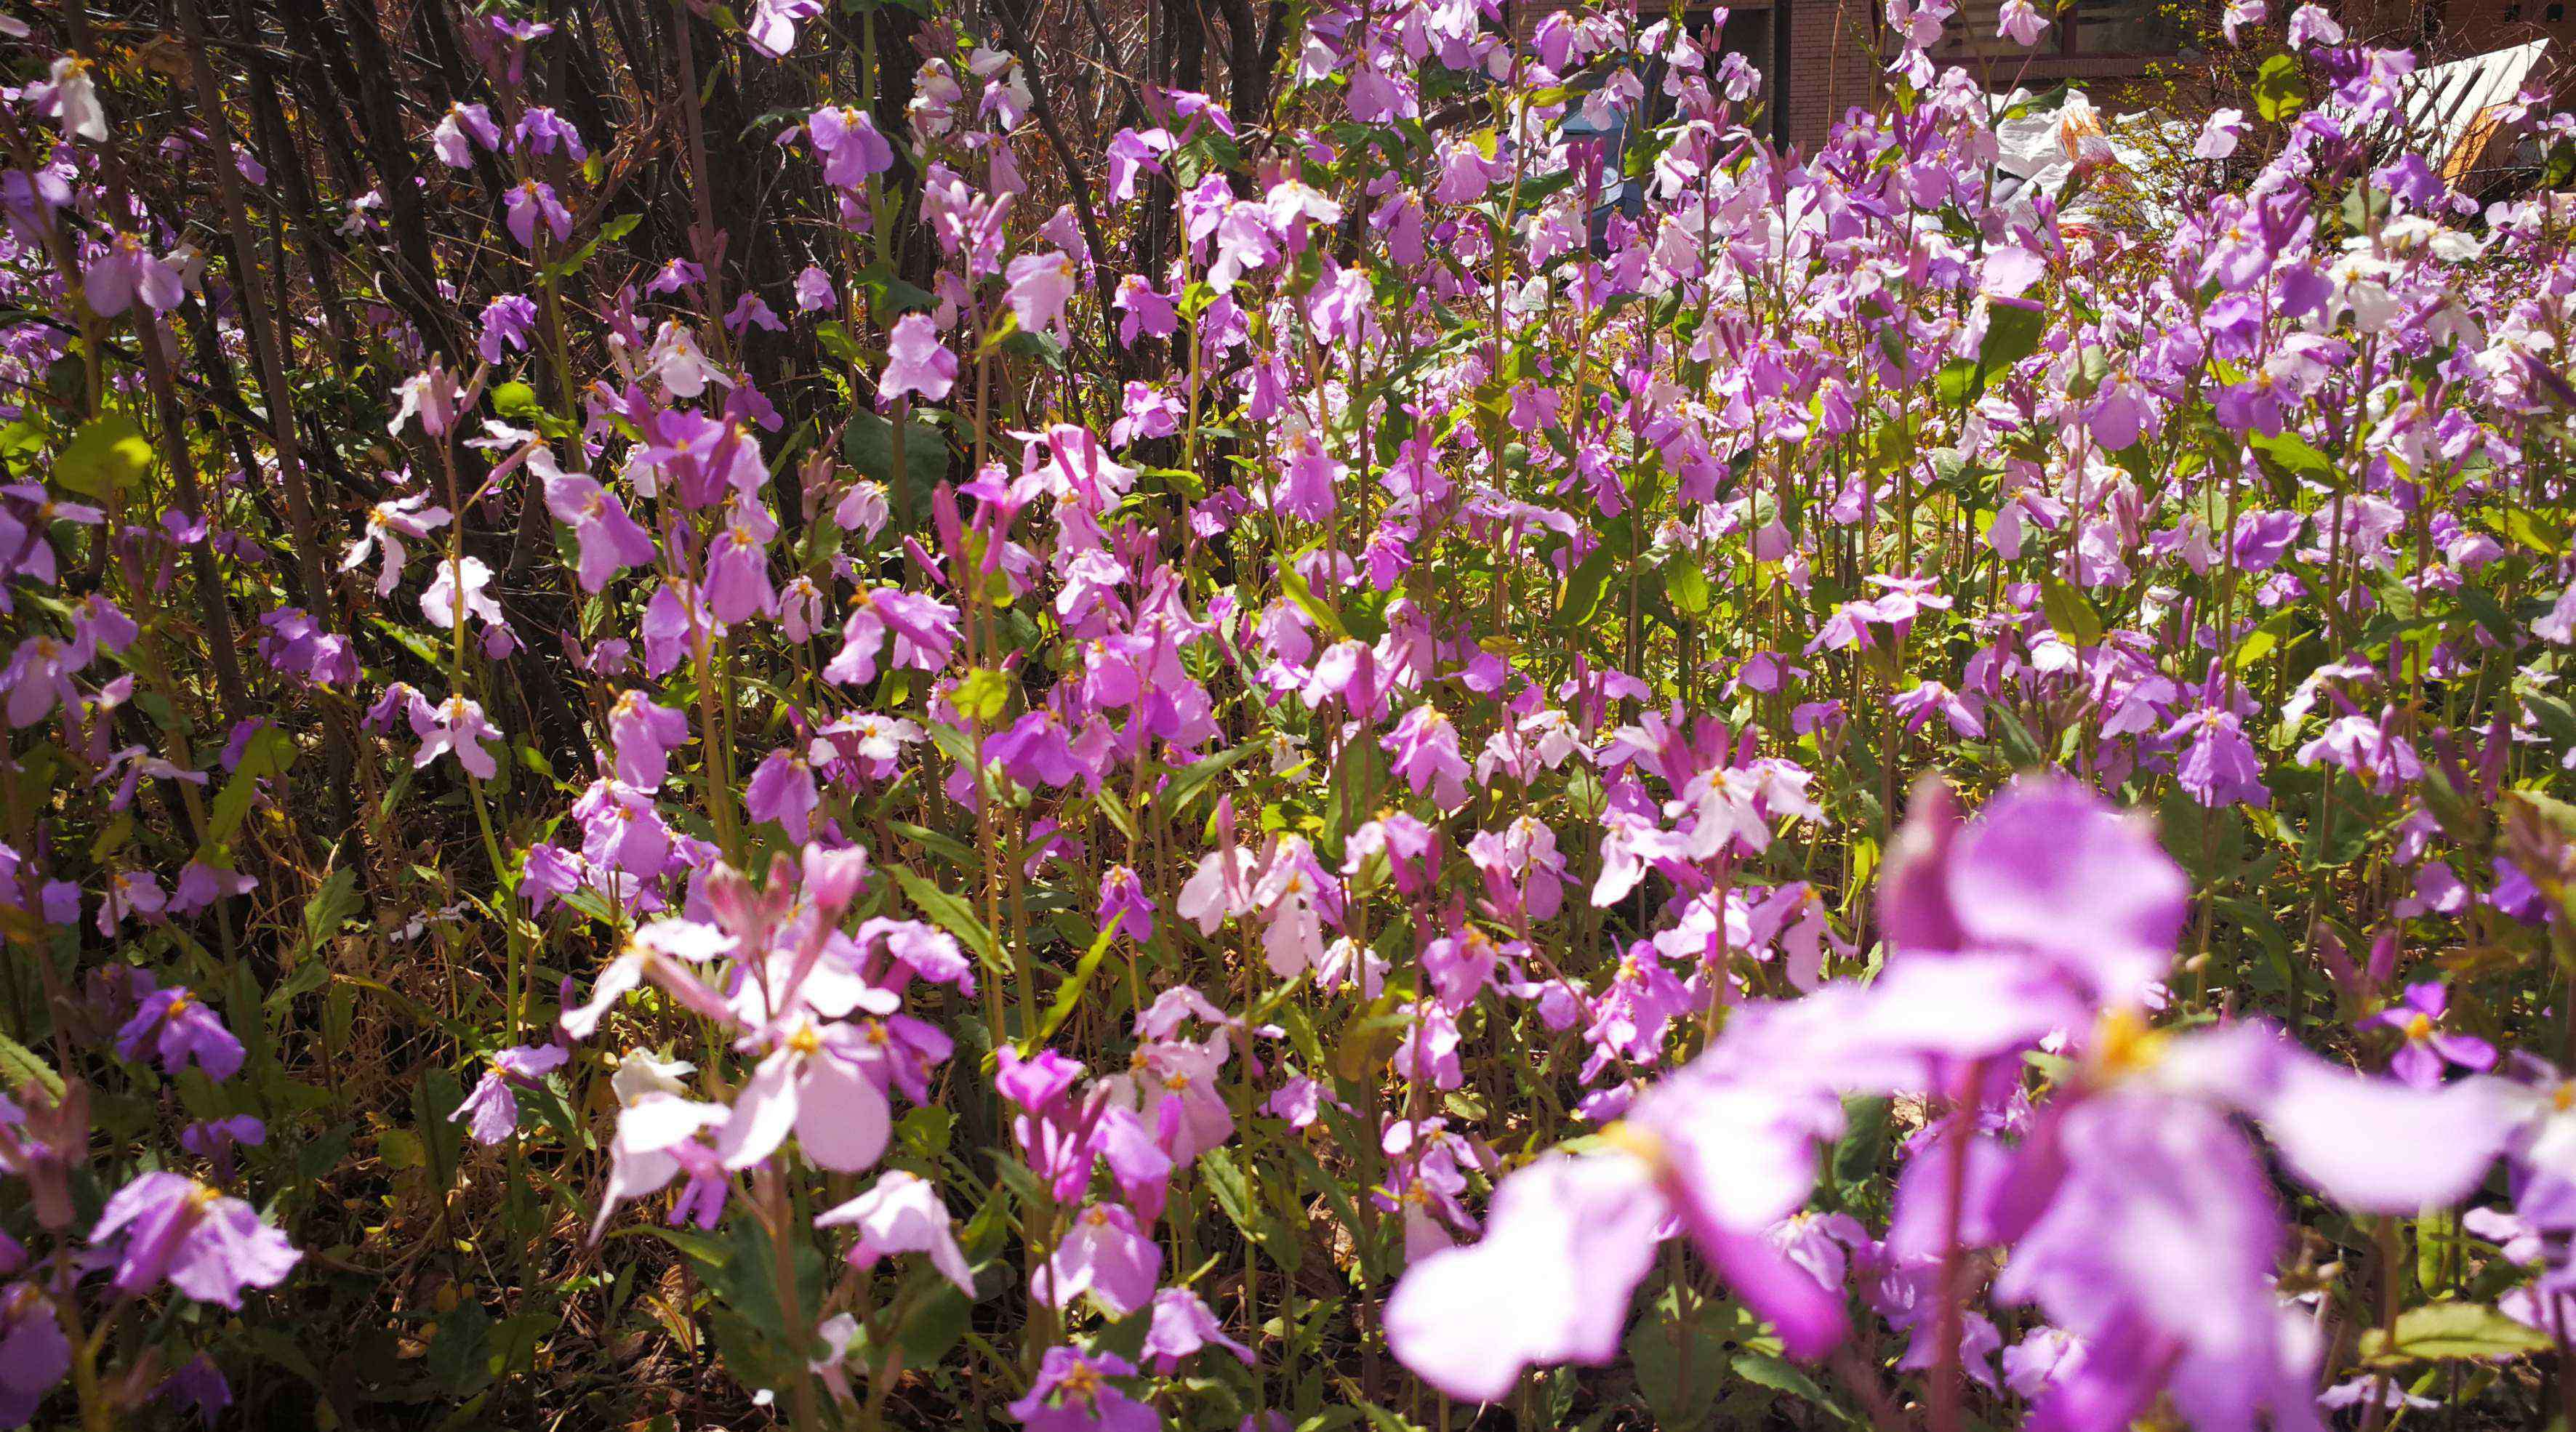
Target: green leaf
(836,340)
(107,453)
(460,1355)
(1225,1179)
(517,402)
(2013,331)
(2291,456)
(951,913)
(267,754)
(889,295)
(1068,994)
(1194,778)
(1864,1142)
(1958,382)
(934,1324)
(2069,614)
(1781,1375)
(2443,1331)
(1686,582)
(2280,92)
(1322,613)
(981,696)
(1583,588)
(331,906)
(23,1066)
(2557,719)
(1680,1356)
(2267,637)
(868,445)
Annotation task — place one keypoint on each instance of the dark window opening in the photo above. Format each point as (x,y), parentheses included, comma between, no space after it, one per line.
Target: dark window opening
(2100,29)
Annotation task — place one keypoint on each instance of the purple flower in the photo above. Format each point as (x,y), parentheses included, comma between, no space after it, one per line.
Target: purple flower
(917,361)
(924,631)
(2221,767)
(459,130)
(783,790)
(851,147)
(491,1111)
(1072,1394)
(1124,906)
(2427,1048)
(457,725)
(529,201)
(129,271)
(750,311)
(541,131)
(2050,870)
(34,1353)
(508,323)
(1182,1325)
(181,1031)
(199,1384)
(902,1214)
(1105,1255)
(214,1140)
(644,734)
(208,1246)
(609,540)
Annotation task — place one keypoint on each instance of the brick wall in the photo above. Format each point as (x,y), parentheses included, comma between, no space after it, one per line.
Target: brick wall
(1833,63)
(1831,43)
(1834,47)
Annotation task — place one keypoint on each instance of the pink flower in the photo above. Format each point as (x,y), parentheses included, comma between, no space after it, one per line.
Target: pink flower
(457,725)
(458,591)
(1425,747)
(901,1214)
(388,523)
(917,361)
(924,631)
(608,539)
(658,1138)
(738,571)
(1182,1325)
(525,203)
(1103,1255)
(783,790)
(851,147)
(811,1082)
(1549,1282)
(644,735)
(1040,285)
(772,27)
(459,130)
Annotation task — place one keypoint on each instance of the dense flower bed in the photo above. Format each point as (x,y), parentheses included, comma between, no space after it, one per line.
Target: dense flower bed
(817,716)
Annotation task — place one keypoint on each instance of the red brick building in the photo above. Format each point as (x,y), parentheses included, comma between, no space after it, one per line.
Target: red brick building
(2110,48)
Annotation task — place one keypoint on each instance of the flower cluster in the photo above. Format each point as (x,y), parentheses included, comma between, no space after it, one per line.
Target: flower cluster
(866,716)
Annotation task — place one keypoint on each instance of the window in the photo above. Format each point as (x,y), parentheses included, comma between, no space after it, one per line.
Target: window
(2103,29)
